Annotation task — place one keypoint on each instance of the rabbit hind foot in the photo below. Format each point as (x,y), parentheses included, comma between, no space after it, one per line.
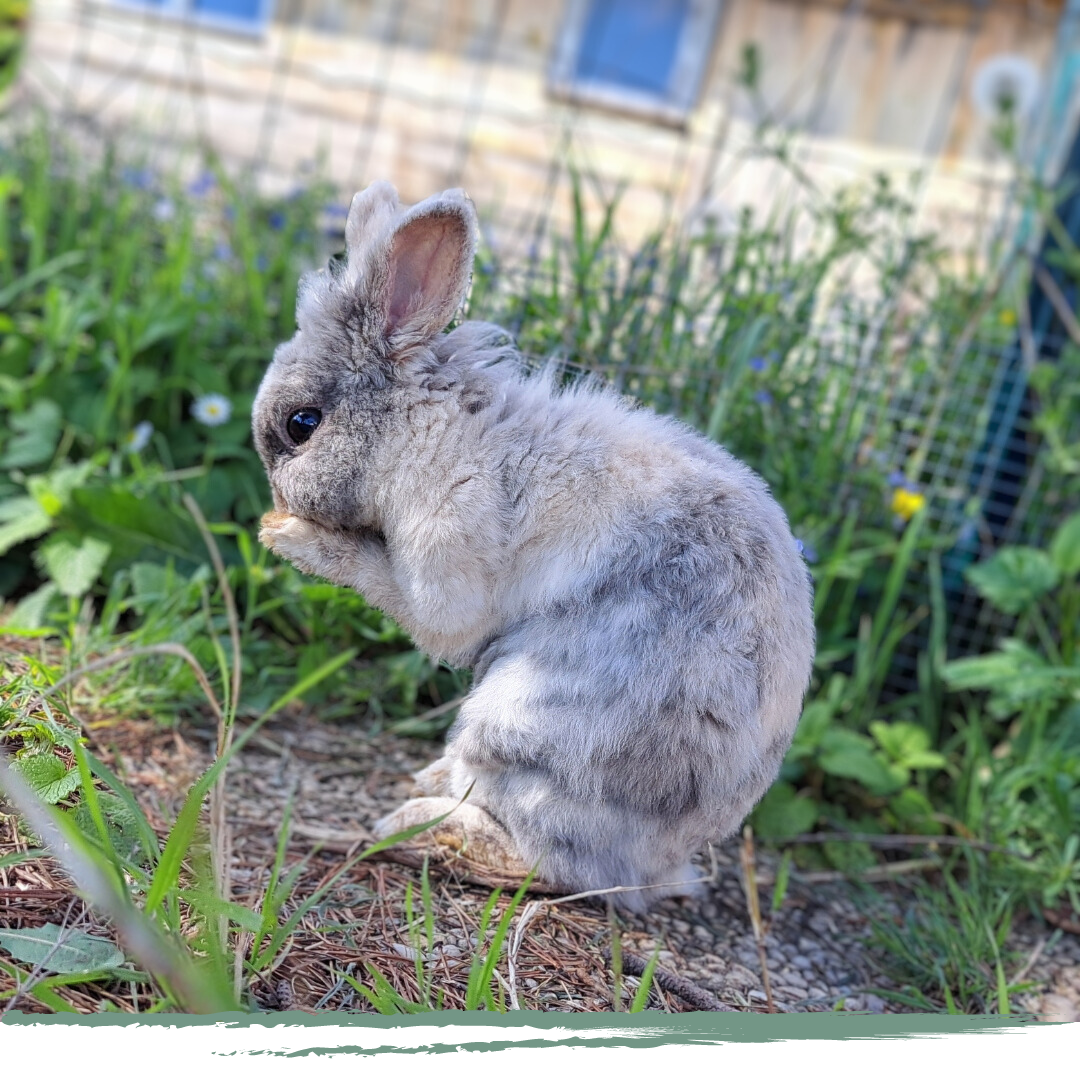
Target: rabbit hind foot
(468,838)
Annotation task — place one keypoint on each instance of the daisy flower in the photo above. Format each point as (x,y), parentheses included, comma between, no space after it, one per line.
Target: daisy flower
(138,438)
(212,409)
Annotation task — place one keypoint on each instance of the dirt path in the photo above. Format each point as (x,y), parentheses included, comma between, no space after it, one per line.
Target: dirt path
(817,949)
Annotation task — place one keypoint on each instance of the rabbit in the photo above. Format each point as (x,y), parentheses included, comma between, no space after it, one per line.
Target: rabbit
(632,602)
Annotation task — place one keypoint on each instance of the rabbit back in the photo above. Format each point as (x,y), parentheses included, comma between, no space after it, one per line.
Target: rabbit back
(659,639)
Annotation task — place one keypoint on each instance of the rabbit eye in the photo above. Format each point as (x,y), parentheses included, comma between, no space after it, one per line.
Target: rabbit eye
(302,424)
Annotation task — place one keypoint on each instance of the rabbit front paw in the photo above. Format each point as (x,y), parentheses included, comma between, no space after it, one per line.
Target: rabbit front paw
(293,539)
(284,534)
(309,547)
(469,835)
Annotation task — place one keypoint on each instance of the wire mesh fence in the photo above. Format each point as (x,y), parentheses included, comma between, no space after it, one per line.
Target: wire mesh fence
(437,95)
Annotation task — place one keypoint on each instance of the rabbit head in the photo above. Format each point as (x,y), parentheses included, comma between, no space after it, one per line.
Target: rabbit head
(331,392)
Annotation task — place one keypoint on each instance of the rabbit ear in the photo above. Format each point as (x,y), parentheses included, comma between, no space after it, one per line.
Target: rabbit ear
(429,266)
(377,200)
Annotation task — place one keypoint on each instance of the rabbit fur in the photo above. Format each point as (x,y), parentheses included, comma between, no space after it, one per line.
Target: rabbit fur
(633,604)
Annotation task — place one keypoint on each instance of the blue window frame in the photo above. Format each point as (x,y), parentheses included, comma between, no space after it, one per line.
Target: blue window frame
(643,56)
(238,16)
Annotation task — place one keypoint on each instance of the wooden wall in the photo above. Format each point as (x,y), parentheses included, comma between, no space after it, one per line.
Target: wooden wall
(431,94)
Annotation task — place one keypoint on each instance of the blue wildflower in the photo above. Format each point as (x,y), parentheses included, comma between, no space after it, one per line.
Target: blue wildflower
(898,480)
(763,397)
(806,550)
(277,220)
(261,263)
(202,185)
(222,251)
(758,363)
(143,179)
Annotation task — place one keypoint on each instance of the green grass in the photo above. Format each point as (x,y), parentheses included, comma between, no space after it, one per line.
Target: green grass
(127,294)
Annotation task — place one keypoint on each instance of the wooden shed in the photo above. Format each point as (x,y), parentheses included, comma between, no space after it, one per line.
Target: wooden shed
(689,103)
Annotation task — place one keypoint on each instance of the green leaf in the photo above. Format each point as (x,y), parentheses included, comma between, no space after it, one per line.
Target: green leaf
(1014,578)
(815,722)
(782,814)
(924,759)
(21,518)
(37,431)
(914,811)
(73,566)
(900,739)
(60,950)
(849,755)
(64,261)
(53,490)
(121,826)
(906,744)
(30,611)
(135,523)
(1016,673)
(1065,547)
(641,998)
(988,671)
(50,778)
(209,905)
(19,857)
(151,581)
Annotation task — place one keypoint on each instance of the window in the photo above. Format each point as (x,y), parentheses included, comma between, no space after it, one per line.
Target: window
(643,56)
(240,16)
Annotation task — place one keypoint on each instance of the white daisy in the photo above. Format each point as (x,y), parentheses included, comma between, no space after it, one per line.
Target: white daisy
(212,409)
(138,437)
(1005,84)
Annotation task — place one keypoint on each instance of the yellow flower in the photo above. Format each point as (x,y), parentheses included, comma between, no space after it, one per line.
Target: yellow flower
(907,504)
(1007,317)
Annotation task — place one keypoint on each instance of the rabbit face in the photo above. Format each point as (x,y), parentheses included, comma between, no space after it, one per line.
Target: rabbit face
(322,413)
(316,427)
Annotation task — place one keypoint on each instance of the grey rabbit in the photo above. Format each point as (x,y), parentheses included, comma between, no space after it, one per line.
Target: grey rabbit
(631,600)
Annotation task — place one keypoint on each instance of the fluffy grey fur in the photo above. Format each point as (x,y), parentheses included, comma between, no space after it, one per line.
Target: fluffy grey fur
(632,601)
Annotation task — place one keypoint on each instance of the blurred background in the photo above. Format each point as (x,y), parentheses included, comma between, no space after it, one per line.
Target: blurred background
(867,143)
(839,236)
(688,106)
